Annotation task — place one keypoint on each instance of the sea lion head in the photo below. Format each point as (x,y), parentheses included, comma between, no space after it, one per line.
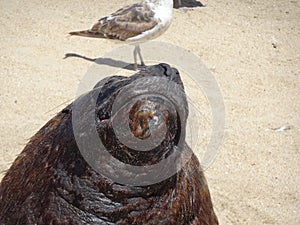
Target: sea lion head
(140,119)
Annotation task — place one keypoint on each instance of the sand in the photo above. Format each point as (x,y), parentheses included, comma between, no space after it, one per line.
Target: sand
(251,47)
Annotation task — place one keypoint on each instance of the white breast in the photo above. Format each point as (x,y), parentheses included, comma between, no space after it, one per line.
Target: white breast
(162,15)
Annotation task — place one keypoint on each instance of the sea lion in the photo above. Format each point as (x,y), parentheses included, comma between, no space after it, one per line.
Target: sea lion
(186,3)
(50,182)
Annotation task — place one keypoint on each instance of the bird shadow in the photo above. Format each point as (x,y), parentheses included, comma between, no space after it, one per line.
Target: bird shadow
(103,61)
(187,3)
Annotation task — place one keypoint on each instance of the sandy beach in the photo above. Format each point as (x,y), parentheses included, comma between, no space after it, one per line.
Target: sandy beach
(251,47)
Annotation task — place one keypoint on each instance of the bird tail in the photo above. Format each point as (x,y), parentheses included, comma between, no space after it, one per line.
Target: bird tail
(87,33)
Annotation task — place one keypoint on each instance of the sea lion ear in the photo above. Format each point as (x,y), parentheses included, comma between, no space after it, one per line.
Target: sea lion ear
(102,125)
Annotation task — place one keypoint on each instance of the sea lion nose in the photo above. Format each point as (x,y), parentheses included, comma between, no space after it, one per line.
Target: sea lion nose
(140,125)
(146,118)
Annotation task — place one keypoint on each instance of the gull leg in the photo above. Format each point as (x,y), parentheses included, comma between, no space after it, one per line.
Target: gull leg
(135,52)
(140,55)
(135,58)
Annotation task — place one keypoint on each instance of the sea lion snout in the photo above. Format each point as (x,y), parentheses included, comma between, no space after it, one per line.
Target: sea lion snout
(147,117)
(139,121)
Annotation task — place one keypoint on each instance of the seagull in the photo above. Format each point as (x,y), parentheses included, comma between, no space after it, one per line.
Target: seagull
(133,24)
